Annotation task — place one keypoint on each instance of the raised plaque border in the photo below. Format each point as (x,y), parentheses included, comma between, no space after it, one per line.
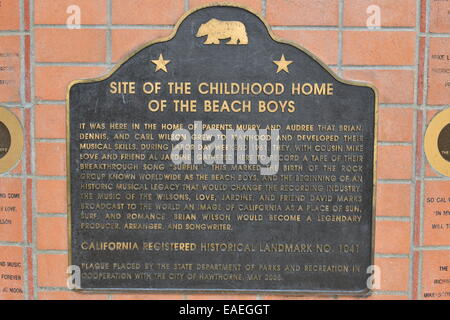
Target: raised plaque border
(364,293)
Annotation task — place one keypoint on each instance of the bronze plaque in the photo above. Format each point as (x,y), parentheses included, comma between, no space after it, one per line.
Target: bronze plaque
(221,159)
(437,142)
(5,140)
(11,140)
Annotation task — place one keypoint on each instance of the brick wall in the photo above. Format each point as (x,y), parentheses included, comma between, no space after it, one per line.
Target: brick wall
(400,57)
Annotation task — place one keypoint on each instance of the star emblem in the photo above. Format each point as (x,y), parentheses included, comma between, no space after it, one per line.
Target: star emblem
(282,64)
(161,63)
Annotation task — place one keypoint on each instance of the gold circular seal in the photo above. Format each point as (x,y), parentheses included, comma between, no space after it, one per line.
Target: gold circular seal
(11,140)
(437,142)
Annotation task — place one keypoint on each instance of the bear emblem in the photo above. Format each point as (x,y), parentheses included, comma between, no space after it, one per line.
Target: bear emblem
(217,30)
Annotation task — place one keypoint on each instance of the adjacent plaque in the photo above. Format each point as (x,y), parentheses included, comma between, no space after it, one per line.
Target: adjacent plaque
(437,142)
(11,140)
(221,159)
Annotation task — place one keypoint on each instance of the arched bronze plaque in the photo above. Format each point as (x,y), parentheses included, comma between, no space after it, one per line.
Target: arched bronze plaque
(297,221)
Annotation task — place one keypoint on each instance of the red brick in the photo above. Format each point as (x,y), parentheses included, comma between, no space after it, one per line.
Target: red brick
(303,12)
(67,45)
(55,12)
(355,13)
(50,159)
(52,233)
(395,124)
(394,162)
(156,11)
(379,48)
(439,16)
(430,172)
(392,237)
(323,44)
(10,15)
(10,88)
(439,191)
(435,273)
(51,82)
(11,231)
(15,255)
(126,41)
(394,86)
(394,273)
(393,200)
(51,196)
(439,66)
(50,121)
(52,270)
(255,5)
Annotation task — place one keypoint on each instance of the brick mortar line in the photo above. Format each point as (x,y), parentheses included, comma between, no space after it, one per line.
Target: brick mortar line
(391,293)
(53,102)
(30,176)
(32,156)
(52,251)
(392,255)
(394,181)
(435,35)
(393,218)
(422,173)
(432,248)
(10,104)
(59,289)
(13,33)
(264,8)
(52,214)
(106,26)
(13,243)
(412,199)
(436,107)
(435,179)
(26,289)
(73,64)
(441,178)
